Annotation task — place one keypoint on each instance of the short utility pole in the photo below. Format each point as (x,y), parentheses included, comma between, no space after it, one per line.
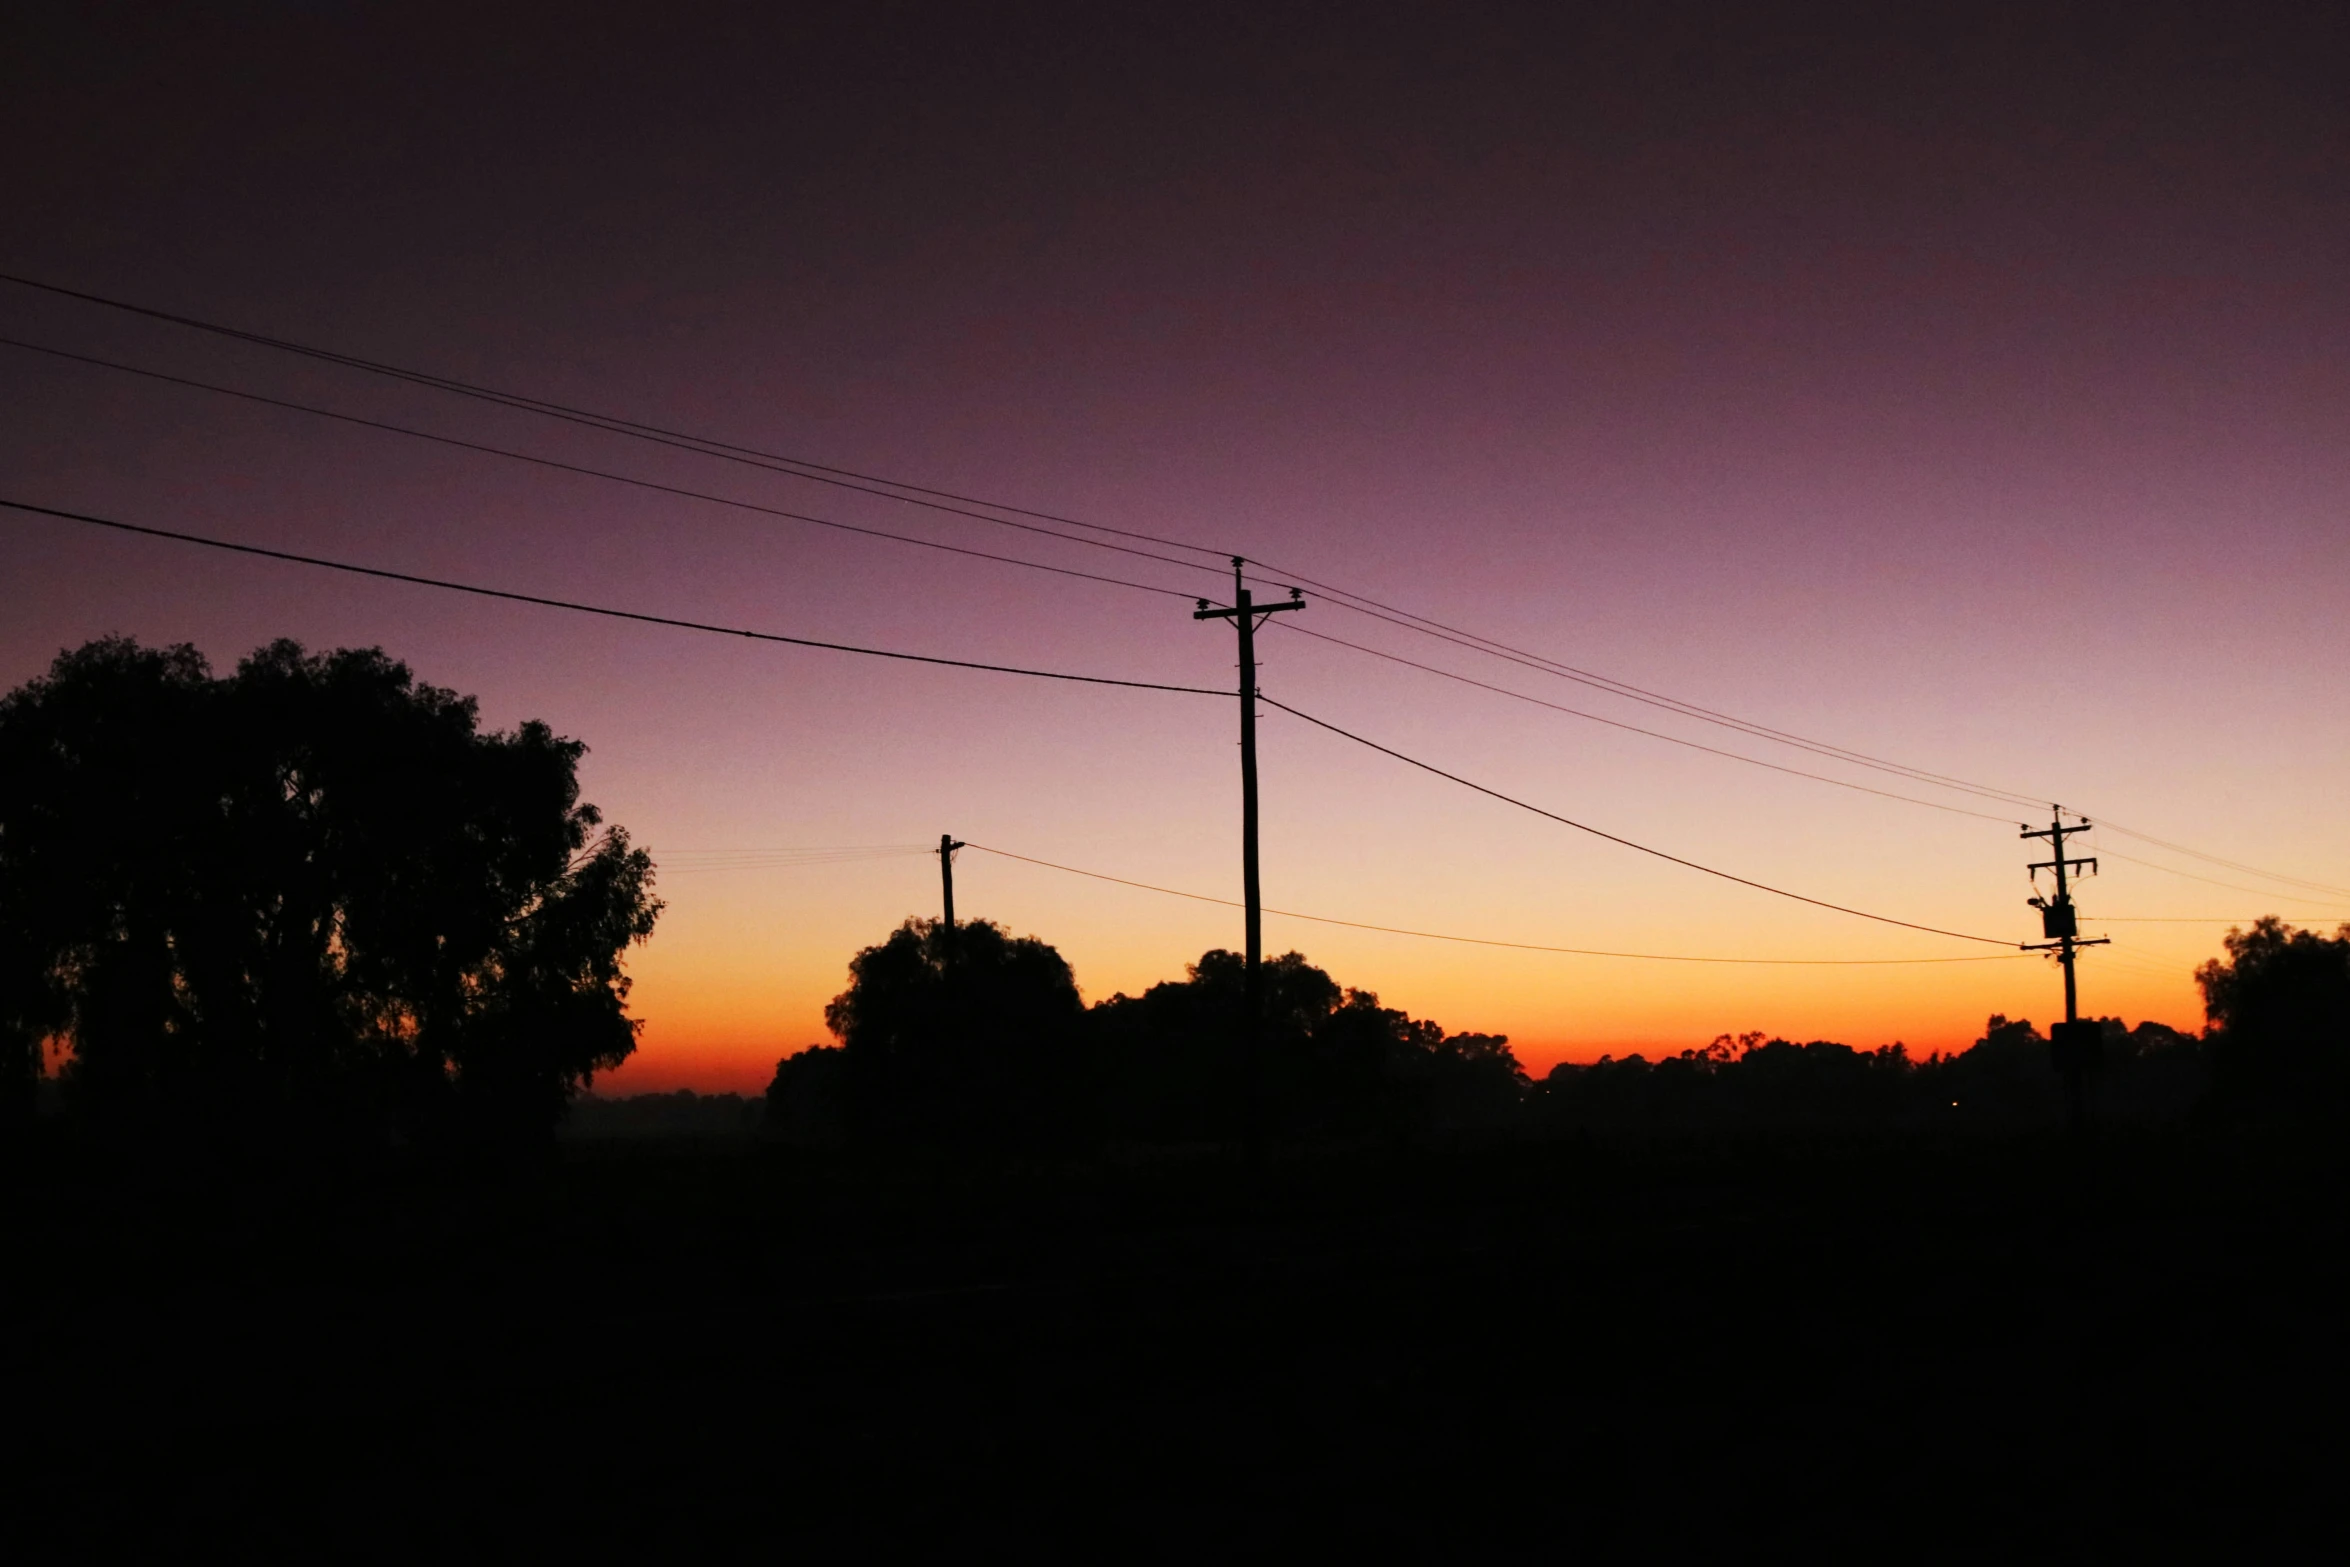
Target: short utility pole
(1245,614)
(946,875)
(2078,1048)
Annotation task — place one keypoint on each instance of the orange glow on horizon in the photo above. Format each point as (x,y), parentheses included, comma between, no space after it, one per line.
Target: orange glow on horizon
(718,1023)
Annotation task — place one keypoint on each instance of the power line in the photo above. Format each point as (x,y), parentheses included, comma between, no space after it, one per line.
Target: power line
(2191,919)
(2143,969)
(2234,865)
(821,473)
(919,658)
(1430,767)
(1480,941)
(587,472)
(603,474)
(931,497)
(1359,603)
(590,609)
(596,473)
(2209,881)
(1702,715)
(1653,734)
(690,861)
(916,658)
(836,848)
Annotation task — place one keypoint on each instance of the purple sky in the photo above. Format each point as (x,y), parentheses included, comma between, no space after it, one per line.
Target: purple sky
(1974,393)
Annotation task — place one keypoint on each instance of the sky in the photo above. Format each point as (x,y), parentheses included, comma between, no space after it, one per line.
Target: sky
(1966,388)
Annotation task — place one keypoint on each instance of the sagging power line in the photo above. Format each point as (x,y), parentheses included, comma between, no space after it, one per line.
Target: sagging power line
(934,498)
(937,499)
(1250,695)
(581,470)
(2195,919)
(1487,941)
(1653,734)
(791,467)
(615,424)
(543,602)
(2234,865)
(2208,881)
(674,861)
(1247,691)
(1565,821)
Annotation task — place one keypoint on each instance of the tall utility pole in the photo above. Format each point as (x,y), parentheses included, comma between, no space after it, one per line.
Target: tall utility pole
(1244,614)
(946,875)
(2076,1046)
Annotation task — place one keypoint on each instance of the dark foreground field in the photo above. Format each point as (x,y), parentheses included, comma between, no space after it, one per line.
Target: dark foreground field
(718,1348)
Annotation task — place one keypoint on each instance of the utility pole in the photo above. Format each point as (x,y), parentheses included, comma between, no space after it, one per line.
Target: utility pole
(1244,615)
(946,875)
(2077,1047)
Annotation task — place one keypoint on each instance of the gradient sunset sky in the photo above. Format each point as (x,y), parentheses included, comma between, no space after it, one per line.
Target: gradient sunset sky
(1967,388)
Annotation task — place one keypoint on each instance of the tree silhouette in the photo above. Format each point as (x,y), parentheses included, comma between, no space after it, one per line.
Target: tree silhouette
(1333,1060)
(1172,1054)
(1751,1083)
(2280,1007)
(966,1036)
(807,1100)
(981,1039)
(314,885)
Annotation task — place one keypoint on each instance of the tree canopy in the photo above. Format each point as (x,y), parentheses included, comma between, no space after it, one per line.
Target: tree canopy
(967,1034)
(2280,1006)
(1333,1061)
(315,884)
(984,1039)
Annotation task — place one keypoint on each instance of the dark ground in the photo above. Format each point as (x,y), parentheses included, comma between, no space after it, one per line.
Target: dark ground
(716,1348)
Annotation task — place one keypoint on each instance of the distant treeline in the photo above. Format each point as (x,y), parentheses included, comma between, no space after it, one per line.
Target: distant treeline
(680,1113)
(979,1037)
(2005,1081)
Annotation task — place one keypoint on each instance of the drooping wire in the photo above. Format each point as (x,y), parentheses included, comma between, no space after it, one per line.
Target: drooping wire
(825,473)
(1653,734)
(2194,919)
(598,473)
(921,495)
(2213,859)
(800,467)
(2212,881)
(696,861)
(1781,892)
(921,658)
(1481,941)
(1688,710)
(589,609)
